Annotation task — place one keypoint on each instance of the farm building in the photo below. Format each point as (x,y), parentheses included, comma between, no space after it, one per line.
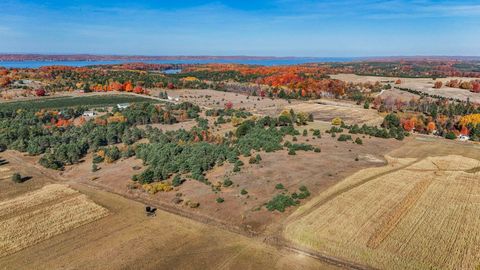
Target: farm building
(171,98)
(123,105)
(89,113)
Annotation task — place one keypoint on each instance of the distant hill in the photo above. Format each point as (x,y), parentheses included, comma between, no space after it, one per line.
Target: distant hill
(92,57)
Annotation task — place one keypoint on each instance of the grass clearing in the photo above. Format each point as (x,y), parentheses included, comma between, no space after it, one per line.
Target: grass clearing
(325,110)
(410,215)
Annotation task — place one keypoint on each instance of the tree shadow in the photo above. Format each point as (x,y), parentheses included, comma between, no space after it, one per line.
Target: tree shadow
(26,178)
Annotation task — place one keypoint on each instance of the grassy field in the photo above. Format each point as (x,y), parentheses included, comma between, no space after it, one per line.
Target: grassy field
(410,214)
(69,101)
(325,110)
(42,214)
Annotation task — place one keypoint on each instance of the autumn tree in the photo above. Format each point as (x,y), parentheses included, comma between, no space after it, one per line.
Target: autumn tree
(228,105)
(40,92)
(464,131)
(431,127)
(409,124)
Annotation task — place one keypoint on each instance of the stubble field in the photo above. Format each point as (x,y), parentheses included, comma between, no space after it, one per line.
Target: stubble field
(42,214)
(410,214)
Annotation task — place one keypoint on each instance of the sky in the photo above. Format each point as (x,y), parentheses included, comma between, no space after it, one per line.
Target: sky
(328,28)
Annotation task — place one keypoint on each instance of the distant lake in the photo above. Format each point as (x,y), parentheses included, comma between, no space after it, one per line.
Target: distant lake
(271,62)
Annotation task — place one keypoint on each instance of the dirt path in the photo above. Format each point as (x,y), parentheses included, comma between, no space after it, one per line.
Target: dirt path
(398,212)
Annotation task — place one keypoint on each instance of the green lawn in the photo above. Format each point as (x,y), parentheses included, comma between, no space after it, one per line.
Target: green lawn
(63,102)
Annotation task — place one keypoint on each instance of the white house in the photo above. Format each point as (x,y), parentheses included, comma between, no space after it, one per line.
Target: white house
(122,106)
(173,98)
(89,113)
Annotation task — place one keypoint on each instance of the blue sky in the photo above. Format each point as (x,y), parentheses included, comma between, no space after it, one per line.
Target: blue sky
(271,27)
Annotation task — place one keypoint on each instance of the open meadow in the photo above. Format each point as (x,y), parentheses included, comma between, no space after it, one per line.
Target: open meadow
(425,85)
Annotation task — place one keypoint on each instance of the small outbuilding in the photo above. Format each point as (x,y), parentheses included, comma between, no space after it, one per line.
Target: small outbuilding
(122,106)
(89,113)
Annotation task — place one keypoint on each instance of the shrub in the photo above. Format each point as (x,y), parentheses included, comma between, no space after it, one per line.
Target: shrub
(305,132)
(220,200)
(97,158)
(227,182)
(291,152)
(194,204)
(177,181)
(304,193)
(17,178)
(344,137)
(317,150)
(391,120)
(366,105)
(236,168)
(301,146)
(279,186)
(145,177)
(336,121)
(358,141)
(280,202)
(112,154)
(156,187)
(451,135)
(244,192)
(94,167)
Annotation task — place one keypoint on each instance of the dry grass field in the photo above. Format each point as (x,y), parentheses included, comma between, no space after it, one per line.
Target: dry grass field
(420,84)
(216,99)
(42,214)
(5,173)
(411,214)
(326,110)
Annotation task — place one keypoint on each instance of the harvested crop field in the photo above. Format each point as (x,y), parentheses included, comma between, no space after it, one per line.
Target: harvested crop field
(410,214)
(42,214)
(5,173)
